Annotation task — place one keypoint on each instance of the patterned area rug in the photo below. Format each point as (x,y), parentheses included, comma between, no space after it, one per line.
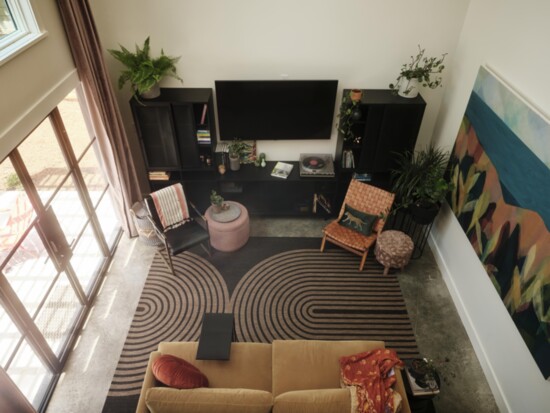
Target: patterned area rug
(279,288)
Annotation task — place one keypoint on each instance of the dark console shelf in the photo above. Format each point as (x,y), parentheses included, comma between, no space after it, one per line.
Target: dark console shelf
(262,193)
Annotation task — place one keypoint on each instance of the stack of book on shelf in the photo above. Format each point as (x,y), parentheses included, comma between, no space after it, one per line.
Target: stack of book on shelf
(363,177)
(348,161)
(159,176)
(282,170)
(203,136)
(419,383)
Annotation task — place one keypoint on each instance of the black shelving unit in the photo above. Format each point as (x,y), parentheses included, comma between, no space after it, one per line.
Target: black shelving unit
(177,132)
(387,124)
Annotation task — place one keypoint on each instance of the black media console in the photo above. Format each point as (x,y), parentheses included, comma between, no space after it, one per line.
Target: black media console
(263,194)
(178,138)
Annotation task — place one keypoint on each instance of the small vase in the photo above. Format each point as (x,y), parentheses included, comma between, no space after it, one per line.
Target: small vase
(408,88)
(234,164)
(216,209)
(152,93)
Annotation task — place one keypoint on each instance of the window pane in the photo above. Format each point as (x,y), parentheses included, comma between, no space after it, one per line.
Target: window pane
(58,314)
(87,258)
(74,123)
(16,216)
(9,337)
(69,210)
(7,24)
(93,174)
(46,166)
(29,374)
(30,272)
(107,219)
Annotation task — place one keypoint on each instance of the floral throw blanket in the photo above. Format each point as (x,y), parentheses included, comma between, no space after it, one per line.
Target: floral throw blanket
(370,376)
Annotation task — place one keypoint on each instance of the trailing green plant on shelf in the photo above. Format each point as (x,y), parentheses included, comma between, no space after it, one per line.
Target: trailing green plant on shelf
(349,112)
(426,70)
(141,70)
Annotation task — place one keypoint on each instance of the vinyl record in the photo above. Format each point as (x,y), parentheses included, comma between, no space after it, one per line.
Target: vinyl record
(313,162)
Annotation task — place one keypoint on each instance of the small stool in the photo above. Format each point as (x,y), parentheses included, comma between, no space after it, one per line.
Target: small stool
(393,249)
(231,235)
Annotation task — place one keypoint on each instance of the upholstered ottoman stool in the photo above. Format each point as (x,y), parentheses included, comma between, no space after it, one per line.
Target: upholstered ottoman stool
(393,249)
(229,230)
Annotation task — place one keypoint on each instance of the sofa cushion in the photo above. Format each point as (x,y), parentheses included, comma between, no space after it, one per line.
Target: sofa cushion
(313,401)
(176,372)
(249,366)
(208,400)
(357,220)
(310,365)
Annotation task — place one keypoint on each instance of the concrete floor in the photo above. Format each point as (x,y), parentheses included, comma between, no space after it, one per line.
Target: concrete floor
(440,335)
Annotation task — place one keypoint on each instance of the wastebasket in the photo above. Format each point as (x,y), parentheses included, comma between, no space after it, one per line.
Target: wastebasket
(145,228)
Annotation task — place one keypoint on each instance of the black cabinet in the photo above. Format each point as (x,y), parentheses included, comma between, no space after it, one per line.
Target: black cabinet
(177,132)
(263,194)
(385,124)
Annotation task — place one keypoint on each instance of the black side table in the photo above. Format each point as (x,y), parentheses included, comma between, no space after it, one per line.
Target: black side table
(216,336)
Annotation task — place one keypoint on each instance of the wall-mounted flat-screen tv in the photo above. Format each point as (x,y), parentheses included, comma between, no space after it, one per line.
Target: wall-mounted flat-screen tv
(275,109)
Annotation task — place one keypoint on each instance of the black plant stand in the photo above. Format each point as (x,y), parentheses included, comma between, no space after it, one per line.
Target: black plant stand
(403,220)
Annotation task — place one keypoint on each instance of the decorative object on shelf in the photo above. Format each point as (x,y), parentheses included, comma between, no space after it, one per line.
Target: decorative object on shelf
(282,170)
(217,202)
(349,113)
(248,153)
(422,377)
(419,182)
(144,72)
(221,169)
(262,160)
(235,149)
(420,71)
(355,95)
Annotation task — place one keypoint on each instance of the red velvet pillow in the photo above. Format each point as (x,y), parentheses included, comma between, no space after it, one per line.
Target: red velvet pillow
(178,373)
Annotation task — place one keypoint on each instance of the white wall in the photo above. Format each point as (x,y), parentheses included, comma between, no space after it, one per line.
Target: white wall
(361,43)
(36,80)
(511,37)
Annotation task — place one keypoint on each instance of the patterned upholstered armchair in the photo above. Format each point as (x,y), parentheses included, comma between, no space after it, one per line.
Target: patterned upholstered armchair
(364,200)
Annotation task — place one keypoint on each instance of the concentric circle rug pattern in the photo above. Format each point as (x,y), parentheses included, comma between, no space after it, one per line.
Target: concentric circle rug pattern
(296,294)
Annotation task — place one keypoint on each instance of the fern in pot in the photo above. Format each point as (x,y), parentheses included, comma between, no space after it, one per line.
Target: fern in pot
(144,72)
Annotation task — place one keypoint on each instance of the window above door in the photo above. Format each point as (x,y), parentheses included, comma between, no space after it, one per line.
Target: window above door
(18,28)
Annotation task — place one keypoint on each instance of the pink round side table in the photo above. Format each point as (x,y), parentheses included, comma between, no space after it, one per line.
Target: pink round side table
(228,236)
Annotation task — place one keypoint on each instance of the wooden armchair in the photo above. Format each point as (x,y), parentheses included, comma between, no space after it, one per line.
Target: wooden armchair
(366,199)
(180,238)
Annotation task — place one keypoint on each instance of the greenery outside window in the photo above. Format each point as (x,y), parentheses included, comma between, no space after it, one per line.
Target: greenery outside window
(18,27)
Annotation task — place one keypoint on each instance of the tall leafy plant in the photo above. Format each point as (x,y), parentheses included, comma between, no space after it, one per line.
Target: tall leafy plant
(420,177)
(142,71)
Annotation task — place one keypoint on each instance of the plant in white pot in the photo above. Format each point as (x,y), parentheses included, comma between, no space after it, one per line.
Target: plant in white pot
(144,72)
(235,149)
(420,71)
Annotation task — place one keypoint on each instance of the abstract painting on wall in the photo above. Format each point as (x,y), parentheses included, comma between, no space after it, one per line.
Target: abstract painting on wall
(501,169)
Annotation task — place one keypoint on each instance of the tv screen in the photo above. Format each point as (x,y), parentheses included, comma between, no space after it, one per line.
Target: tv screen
(275,109)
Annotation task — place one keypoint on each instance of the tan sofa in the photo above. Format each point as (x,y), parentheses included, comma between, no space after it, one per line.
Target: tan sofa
(286,376)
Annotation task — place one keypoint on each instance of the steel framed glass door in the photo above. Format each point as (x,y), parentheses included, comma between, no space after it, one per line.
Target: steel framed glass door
(53,247)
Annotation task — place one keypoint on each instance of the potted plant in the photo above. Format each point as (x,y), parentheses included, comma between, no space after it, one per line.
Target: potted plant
(420,70)
(235,149)
(419,182)
(217,202)
(144,72)
(349,113)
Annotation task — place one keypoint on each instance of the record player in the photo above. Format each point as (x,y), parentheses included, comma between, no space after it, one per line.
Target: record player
(315,164)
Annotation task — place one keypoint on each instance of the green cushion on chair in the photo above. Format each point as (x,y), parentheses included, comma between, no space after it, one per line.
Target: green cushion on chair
(358,221)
